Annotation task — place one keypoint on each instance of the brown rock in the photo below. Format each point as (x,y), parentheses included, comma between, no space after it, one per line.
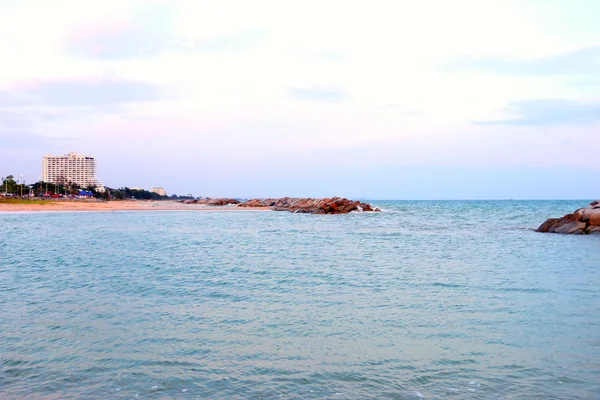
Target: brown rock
(591,216)
(334,205)
(582,221)
(571,227)
(593,230)
(595,218)
(576,216)
(545,227)
(561,222)
(568,217)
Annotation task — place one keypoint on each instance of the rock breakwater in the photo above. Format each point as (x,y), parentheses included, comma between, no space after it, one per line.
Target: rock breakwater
(211,202)
(334,205)
(581,222)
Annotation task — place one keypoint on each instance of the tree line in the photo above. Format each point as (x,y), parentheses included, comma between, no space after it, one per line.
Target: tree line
(124,193)
(11,186)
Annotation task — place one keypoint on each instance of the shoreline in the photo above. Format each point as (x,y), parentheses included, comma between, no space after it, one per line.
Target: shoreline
(114,206)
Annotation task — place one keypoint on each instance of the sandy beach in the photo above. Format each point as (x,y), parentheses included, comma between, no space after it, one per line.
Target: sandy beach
(108,206)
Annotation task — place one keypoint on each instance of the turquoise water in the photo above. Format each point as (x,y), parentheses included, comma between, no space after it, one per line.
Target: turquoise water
(458,300)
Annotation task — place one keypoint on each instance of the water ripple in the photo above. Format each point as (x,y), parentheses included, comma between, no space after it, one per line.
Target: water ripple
(454,300)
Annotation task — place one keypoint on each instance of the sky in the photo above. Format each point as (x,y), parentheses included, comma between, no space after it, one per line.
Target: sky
(468,99)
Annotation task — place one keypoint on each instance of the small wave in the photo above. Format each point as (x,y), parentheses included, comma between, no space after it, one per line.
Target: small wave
(446,285)
(446,361)
(524,290)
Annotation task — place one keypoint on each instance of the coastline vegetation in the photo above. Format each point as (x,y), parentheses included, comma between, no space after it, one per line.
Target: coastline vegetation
(141,194)
(126,193)
(12,187)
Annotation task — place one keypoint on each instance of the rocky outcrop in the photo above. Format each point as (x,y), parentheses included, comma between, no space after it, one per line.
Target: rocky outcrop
(581,222)
(211,202)
(334,205)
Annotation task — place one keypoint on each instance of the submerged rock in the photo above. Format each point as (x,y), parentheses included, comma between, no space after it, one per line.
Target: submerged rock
(334,205)
(582,221)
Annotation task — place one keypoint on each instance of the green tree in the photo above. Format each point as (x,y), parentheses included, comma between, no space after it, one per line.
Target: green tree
(9,185)
(119,194)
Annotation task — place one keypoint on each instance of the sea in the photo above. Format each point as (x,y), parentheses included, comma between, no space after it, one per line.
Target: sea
(425,300)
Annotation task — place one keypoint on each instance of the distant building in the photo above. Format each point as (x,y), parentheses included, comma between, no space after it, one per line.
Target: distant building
(70,168)
(159,191)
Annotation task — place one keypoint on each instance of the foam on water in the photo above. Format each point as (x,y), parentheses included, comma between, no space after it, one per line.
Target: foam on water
(428,299)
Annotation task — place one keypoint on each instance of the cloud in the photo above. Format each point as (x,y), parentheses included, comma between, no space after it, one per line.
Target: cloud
(585,83)
(403,110)
(329,55)
(584,61)
(35,116)
(143,32)
(146,33)
(24,119)
(97,93)
(120,42)
(327,94)
(116,41)
(17,130)
(28,140)
(233,42)
(549,113)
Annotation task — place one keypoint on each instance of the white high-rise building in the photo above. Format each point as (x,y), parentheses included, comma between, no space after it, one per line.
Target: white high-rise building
(71,167)
(159,191)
